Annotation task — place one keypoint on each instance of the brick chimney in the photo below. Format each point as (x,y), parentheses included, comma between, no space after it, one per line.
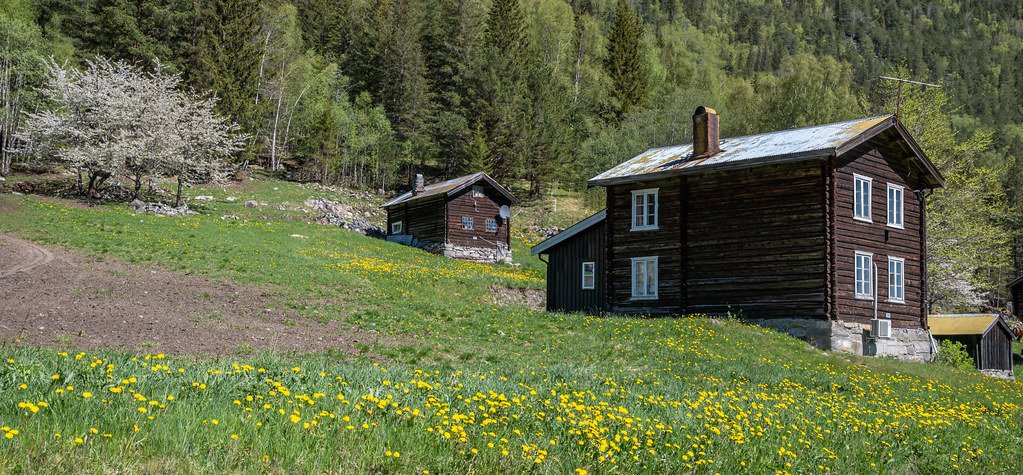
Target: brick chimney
(420,185)
(706,141)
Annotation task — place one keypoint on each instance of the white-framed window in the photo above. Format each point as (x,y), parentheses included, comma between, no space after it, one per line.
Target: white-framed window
(398,227)
(895,206)
(861,197)
(477,192)
(644,209)
(589,275)
(491,225)
(644,278)
(896,279)
(864,275)
(467,222)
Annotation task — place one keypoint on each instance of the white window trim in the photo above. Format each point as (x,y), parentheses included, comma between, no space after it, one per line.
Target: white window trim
(902,205)
(657,278)
(870,199)
(400,225)
(477,192)
(903,262)
(657,206)
(467,220)
(488,223)
(593,275)
(870,272)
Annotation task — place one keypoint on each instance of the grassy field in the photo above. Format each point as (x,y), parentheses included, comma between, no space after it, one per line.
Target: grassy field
(463,383)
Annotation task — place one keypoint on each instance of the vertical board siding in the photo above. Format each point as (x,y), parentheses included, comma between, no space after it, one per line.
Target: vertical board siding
(756,242)
(1017,300)
(663,242)
(480,209)
(996,349)
(564,272)
(878,238)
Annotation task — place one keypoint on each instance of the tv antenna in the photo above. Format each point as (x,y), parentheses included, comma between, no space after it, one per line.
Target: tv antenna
(900,81)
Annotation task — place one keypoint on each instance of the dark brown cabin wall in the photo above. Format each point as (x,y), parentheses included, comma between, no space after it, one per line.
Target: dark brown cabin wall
(564,272)
(757,242)
(663,242)
(996,349)
(878,238)
(424,219)
(480,209)
(1017,300)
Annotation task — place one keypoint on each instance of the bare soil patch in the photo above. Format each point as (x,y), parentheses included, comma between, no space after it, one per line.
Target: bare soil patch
(60,298)
(533,299)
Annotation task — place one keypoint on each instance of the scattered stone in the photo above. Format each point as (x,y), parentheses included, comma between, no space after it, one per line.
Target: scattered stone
(2,179)
(160,209)
(203,198)
(251,204)
(231,199)
(545,232)
(298,236)
(344,216)
(1000,374)
(717,323)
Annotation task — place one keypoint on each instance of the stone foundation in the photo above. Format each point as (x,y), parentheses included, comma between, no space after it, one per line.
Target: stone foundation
(500,253)
(914,344)
(999,373)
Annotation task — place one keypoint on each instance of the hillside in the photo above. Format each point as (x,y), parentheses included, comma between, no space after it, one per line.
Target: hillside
(446,375)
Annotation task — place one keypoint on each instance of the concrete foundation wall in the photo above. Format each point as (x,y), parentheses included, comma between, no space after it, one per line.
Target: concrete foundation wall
(913,344)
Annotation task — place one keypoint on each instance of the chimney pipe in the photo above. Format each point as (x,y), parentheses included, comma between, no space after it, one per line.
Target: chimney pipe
(706,141)
(420,185)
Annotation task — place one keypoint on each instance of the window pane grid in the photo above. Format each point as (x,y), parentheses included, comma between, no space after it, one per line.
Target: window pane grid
(864,276)
(644,278)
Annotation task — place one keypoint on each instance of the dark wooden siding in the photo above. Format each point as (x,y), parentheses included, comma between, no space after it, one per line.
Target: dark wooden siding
(756,241)
(424,219)
(877,238)
(1017,299)
(664,243)
(480,209)
(996,349)
(564,272)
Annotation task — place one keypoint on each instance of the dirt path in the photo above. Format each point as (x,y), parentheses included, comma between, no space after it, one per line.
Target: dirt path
(54,297)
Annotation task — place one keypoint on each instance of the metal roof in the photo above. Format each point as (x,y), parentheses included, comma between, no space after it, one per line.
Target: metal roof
(571,231)
(449,188)
(750,150)
(966,324)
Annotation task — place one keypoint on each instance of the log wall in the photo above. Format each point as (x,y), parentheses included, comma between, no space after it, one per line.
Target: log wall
(480,209)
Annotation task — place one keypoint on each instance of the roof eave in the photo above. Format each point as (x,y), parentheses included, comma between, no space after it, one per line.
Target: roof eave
(1015,281)
(563,236)
(768,160)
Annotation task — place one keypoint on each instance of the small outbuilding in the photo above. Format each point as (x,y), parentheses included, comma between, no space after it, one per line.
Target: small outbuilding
(575,266)
(987,338)
(1016,294)
(468,217)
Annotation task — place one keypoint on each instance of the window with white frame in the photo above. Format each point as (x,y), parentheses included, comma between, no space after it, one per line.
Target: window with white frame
(398,227)
(644,209)
(895,205)
(861,197)
(896,279)
(477,192)
(467,222)
(644,278)
(864,275)
(491,225)
(589,275)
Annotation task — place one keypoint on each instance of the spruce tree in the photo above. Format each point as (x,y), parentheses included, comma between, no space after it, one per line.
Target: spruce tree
(624,62)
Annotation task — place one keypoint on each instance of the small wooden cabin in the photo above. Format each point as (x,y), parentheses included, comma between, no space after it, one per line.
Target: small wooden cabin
(575,266)
(1016,293)
(987,338)
(818,231)
(468,217)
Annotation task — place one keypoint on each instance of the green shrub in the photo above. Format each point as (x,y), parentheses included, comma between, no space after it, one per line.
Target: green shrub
(952,353)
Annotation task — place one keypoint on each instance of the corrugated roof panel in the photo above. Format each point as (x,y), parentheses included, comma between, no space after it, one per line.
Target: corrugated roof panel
(737,150)
(450,186)
(972,324)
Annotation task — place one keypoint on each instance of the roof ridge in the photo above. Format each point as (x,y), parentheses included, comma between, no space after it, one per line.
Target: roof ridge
(781,131)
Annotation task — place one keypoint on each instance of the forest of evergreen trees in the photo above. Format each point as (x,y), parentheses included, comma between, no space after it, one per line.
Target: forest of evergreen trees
(549,92)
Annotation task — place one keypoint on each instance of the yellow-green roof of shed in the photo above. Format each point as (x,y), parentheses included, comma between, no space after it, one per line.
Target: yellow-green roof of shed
(971,324)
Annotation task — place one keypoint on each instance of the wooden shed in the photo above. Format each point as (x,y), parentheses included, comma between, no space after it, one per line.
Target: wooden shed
(575,266)
(1016,294)
(987,338)
(468,217)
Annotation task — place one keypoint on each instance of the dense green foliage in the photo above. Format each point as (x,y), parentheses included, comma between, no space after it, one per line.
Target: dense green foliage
(368,92)
(953,354)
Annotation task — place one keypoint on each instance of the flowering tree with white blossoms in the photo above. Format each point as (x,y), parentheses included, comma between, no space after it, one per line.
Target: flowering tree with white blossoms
(113,118)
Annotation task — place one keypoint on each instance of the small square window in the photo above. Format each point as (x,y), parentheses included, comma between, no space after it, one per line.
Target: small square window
(477,192)
(467,222)
(491,225)
(861,197)
(589,275)
(895,206)
(398,227)
(864,275)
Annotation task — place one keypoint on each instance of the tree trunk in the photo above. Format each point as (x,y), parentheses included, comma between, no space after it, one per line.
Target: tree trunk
(177,197)
(273,138)
(138,187)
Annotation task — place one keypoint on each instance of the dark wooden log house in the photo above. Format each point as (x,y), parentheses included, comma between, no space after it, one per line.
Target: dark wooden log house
(1016,294)
(817,231)
(988,339)
(466,218)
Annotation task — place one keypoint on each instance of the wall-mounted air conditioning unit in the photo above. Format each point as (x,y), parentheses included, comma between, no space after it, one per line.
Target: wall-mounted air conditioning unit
(881,328)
